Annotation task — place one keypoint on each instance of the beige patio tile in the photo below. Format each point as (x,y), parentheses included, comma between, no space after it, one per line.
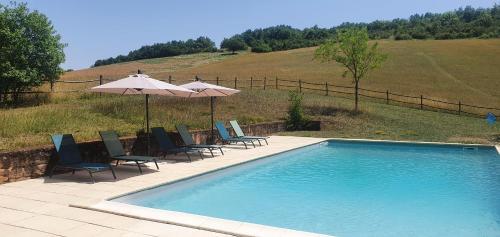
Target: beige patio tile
(19,203)
(14,231)
(49,224)
(79,214)
(9,216)
(87,230)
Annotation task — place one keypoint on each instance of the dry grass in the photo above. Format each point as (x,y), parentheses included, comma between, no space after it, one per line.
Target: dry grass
(465,70)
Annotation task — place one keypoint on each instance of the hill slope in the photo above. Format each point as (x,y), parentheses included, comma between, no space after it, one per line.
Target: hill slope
(466,70)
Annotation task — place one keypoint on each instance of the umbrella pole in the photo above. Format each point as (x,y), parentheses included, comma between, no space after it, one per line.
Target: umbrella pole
(147,123)
(212,140)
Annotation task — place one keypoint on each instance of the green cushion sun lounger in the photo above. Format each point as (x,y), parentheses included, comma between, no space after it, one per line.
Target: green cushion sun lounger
(116,152)
(224,134)
(167,146)
(70,157)
(188,140)
(239,132)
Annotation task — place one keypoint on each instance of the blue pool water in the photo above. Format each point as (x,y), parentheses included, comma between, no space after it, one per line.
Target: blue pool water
(351,189)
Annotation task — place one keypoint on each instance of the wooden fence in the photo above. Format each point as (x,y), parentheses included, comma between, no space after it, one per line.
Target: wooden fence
(327,89)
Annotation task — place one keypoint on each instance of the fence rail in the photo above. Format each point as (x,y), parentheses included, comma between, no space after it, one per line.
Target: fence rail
(419,102)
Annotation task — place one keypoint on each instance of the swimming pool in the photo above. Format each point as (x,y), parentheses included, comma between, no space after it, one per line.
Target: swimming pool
(350,189)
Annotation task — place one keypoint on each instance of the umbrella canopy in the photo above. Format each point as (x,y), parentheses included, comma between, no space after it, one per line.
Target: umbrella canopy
(208,90)
(212,91)
(141,84)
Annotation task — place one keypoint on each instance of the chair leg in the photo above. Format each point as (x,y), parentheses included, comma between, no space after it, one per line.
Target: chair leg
(244,143)
(211,152)
(117,162)
(156,163)
(252,143)
(220,148)
(51,171)
(266,141)
(189,157)
(139,166)
(91,176)
(112,171)
(201,154)
(260,144)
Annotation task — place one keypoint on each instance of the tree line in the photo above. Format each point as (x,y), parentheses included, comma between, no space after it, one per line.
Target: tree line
(159,50)
(462,23)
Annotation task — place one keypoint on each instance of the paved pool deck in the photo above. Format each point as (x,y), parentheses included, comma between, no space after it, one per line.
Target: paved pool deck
(46,207)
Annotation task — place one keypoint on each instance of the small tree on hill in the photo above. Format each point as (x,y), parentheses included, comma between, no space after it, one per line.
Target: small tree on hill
(296,120)
(351,49)
(233,44)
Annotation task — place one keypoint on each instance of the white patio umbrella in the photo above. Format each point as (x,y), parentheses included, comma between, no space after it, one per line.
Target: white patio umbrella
(141,84)
(212,91)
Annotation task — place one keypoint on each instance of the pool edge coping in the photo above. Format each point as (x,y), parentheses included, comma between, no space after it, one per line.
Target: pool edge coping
(201,220)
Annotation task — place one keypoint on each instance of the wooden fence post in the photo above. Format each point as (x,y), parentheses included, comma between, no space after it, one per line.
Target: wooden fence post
(217,79)
(100,83)
(326,88)
(459,107)
(421,102)
(265,82)
(387,97)
(251,83)
(51,85)
(300,86)
(235,82)
(170,79)
(276,82)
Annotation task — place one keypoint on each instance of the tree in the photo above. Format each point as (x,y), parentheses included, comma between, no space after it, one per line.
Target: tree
(233,44)
(30,50)
(352,50)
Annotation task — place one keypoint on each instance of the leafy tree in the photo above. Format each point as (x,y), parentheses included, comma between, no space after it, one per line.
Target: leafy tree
(30,50)
(351,49)
(233,44)
(261,47)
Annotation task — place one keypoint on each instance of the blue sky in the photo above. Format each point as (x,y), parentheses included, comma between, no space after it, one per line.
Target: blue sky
(95,29)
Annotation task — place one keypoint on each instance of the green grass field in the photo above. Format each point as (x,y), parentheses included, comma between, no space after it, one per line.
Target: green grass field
(465,70)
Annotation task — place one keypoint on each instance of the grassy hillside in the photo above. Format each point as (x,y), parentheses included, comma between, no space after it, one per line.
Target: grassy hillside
(84,115)
(460,69)
(465,70)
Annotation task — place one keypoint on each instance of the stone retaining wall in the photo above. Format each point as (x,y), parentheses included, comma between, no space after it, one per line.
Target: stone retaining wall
(33,163)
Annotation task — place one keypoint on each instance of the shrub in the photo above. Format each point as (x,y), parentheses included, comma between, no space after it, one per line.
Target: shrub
(296,120)
(261,47)
(403,36)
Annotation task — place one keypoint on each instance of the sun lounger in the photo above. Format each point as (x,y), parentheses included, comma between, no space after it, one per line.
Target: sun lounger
(71,159)
(188,140)
(168,147)
(224,134)
(239,132)
(116,151)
